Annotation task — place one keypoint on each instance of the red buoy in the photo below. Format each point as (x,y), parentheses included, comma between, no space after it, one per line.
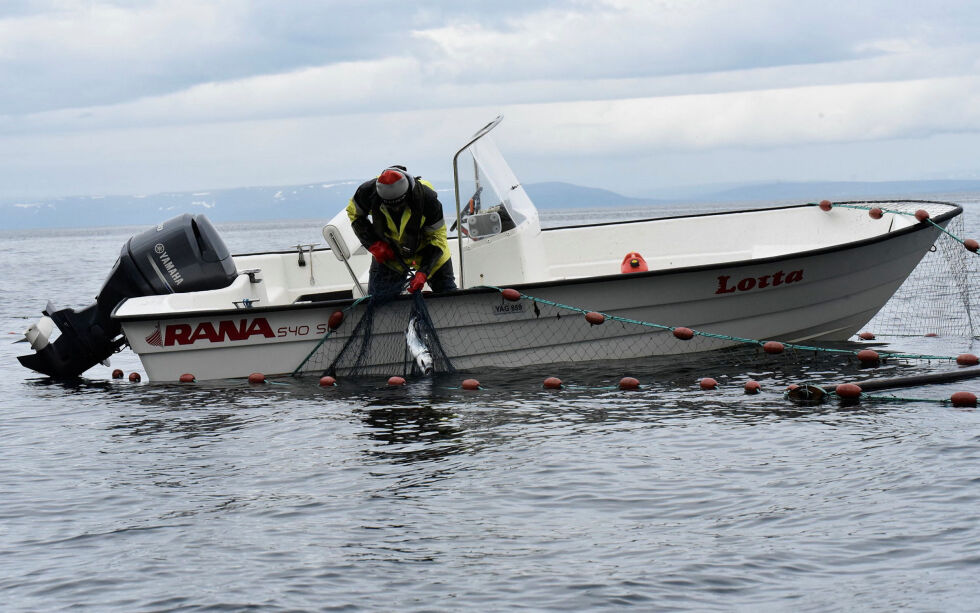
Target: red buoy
(552,383)
(594,318)
(256,377)
(117,374)
(868,356)
(327,381)
(633,262)
(752,387)
(866,336)
(922,214)
(134,377)
(967,359)
(685,334)
(396,381)
(470,384)
(336,318)
(628,383)
(971,245)
(848,390)
(791,387)
(825,205)
(964,399)
(773,347)
(931,335)
(876,213)
(708,383)
(187,378)
(510,294)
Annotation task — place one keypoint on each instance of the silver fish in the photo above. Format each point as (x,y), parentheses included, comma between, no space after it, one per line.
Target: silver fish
(423,359)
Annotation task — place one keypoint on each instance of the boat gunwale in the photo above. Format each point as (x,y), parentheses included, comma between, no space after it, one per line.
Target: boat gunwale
(345,302)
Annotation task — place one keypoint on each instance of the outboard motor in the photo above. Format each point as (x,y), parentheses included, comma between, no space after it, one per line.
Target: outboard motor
(183,254)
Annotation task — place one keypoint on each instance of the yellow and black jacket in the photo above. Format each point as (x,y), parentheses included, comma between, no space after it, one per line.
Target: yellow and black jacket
(416,230)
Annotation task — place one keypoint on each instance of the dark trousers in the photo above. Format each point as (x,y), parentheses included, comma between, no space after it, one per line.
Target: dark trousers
(384,280)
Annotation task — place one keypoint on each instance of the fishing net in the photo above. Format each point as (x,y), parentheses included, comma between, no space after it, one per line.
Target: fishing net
(940,296)
(387,334)
(506,328)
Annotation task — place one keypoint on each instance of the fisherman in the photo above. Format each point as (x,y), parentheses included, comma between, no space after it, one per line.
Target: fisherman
(398,218)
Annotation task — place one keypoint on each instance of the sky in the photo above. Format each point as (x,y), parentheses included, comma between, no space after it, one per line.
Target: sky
(636,96)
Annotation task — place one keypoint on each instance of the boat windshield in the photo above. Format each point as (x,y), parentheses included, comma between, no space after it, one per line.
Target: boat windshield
(492,199)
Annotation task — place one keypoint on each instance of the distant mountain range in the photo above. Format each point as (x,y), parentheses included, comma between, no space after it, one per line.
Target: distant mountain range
(324,200)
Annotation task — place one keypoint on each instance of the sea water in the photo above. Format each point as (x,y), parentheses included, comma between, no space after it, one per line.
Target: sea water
(227,496)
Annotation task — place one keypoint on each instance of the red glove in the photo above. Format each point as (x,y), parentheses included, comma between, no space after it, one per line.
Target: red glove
(381,251)
(417,282)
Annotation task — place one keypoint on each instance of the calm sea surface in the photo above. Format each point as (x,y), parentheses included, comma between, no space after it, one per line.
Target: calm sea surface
(225,496)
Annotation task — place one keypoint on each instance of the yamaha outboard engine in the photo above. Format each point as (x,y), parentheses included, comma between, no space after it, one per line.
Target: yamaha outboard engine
(183,254)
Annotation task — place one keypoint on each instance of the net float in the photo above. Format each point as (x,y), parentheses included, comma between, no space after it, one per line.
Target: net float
(971,245)
(708,383)
(187,378)
(825,205)
(752,387)
(117,374)
(256,377)
(922,214)
(875,213)
(396,381)
(135,377)
(594,318)
(510,294)
(868,356)
(967,359)
(848,390)
(963,399)
(773,347)
(336,318)
(327,381)
(685,334)
(470,384)
(866,336)
(552,383)
(628,383)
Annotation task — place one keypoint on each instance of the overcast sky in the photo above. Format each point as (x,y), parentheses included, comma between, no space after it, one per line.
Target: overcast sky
(120,96)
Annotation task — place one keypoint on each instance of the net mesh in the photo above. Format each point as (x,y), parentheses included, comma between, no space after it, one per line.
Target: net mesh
(509,329)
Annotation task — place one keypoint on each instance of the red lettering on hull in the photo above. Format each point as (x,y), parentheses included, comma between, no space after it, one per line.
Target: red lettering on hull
(746,284)
(227,330)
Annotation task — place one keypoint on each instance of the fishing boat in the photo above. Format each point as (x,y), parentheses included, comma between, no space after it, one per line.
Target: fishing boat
(802,273)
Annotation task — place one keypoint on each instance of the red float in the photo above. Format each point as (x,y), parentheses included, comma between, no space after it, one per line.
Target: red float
(971,245)
(633,262)
(773,347)
(327,381)
(470,384)
(628,383)
(594,318)
(135,377)
(967,359)
(117,374)
(256,377)
(336,318)
(868,356)
(922,214)
(866,336)
(931,335)
(187,378)
(876,213)
(825,205)
(685,334)
(791,387)
(552,383)
(848,390)
(708,383)
(510,294)
(396,381)
(963,399)
(752,387)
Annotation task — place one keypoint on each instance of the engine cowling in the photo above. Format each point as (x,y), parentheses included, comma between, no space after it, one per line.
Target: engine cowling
(183,254)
